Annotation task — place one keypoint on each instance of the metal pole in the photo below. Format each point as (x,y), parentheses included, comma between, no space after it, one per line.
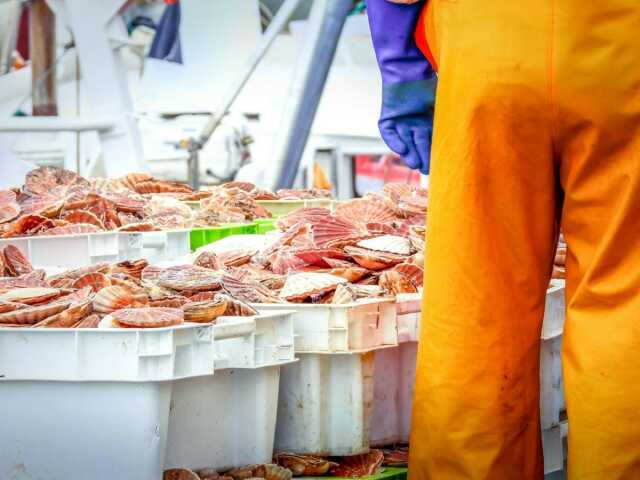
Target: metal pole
(273,30)
(325,26)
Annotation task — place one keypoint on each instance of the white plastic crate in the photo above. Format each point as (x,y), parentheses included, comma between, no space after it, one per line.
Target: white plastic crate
(395,374)
(154,246)
(229,420)
(69,251)
(349,327)
(224,421)
(325,404)
(252,342)
(89,403)
(409,309)
(84,249)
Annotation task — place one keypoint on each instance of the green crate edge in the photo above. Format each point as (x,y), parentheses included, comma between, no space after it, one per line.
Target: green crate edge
(198,237)
(264,225)
(389,473)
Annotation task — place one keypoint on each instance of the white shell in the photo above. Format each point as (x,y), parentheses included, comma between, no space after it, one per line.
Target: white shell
(387,243)
(302,285)
(28,295)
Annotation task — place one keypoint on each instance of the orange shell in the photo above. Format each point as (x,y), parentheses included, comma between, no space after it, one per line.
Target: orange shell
(95,280)
(83,216)
(148,317)
(15,262)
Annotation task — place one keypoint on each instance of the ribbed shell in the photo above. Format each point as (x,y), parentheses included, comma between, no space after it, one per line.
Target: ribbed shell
(112,298)
(30,296)
(96,281)
(367,210)
(387,243)
(148,317)
(31,315)
(300,286)
(204,312)
(190,277)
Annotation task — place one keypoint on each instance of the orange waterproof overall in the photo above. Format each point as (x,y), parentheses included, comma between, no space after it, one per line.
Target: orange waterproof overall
(537,123)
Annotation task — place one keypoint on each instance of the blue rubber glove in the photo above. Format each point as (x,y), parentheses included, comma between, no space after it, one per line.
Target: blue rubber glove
(408,82)
(406,121)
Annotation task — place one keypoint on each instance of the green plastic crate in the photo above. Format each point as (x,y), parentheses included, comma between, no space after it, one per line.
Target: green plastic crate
(204,236)
(264,225)
(389,473)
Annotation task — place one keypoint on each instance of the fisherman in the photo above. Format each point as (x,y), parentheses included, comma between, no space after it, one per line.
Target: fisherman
(536,127)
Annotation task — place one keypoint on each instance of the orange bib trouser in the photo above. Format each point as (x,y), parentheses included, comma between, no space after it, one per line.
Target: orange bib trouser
(537,124)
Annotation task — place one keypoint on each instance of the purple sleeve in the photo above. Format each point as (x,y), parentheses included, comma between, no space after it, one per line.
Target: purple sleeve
(392,28)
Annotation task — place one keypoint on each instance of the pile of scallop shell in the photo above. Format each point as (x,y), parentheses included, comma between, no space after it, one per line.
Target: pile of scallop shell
(128,294)
(288,465)
(263,471)
(368,247)
(54,201)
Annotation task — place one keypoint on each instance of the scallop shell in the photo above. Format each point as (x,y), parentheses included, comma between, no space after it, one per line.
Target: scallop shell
(161,186)
(373,260)
(151,273)
(44,179)
(67,318)
(375,228)
(132,179)
(32,314)
(249,291)
(276,472)
(91,321)
(394,283)
(30,225)
(7,197)
(204,312)
(413,272)
(71,229)
(30,296)
(15,262)
(112,298)
(317,256)
(191,278)
(334,231)
(132,268)
(236,258)
(366,210)
(137,227)
(411,205)
(343,294)
(208,474)
(179,474)
(208,260)
(203,296)
(96,281)
(74,274)
(9,211)
(302,216)
(176,301)
(285,261)
(77,296)
(304,465)
(235,307)
(10,306)
(148,317)
(350,274)
(300,286)
(83,216)
(363,465)
(387,243)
